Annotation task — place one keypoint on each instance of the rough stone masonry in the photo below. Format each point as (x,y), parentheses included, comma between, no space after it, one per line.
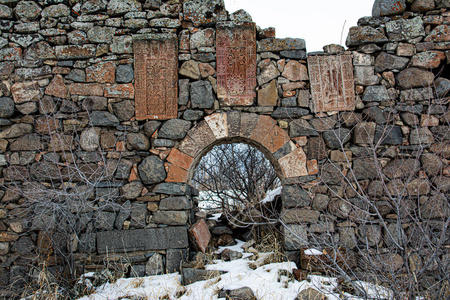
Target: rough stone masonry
(120,99)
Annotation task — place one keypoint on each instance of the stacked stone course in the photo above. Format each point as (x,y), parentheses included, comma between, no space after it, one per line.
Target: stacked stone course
(69,97)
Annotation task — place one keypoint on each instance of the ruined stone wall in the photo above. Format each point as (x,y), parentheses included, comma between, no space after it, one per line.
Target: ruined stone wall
(93,106)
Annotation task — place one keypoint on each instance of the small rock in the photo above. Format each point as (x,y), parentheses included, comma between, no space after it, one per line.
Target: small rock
(230,255)
(138,141)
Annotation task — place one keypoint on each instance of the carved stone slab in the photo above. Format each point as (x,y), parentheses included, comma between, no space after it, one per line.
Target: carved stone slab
(156,76)
(332,85)
(236,63)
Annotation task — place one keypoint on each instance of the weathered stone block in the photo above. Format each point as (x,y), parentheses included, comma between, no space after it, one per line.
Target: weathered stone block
(201,235)
(142,239)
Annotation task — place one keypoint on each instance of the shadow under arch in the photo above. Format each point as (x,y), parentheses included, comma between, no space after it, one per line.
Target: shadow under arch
(259,131)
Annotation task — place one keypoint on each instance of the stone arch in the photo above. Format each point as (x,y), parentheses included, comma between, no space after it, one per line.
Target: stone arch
(260,131)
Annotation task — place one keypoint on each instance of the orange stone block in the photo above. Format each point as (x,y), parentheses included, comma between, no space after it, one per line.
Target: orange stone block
(276,139)
(180,159)
(86,89)
(103,72)
(120,146)
(176,174)
(312,166)
(120,91)
(263,127)
(200,233)
(57,88)
(294,164)
(133,174)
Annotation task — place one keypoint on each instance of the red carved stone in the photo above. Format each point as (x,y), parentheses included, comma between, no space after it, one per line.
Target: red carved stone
(332,84)
(236,63)
(201,234)
(156,76)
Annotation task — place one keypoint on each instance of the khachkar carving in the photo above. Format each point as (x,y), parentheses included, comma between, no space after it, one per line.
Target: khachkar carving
(156,76)
(332,85)
(236,63)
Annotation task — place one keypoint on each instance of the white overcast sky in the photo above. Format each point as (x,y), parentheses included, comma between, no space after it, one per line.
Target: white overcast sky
(319,22)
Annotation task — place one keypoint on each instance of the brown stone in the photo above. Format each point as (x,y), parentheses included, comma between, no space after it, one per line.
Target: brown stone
(6,68)
(313,167)
(294,164)
(25,91)
(180,159)
(268,95)
(86,89)
(295,71)
(248,123)
(57,88)
(11,53)
(275,139)
(206,70)
(103,72)
(428,59)
(8,237)
(202,136)
(188,146)
(75,51)
(176,174)
(263,127)
(414,77)
(29,142)
(46,124)
(418,187)
(429,121)
(296,216)
(439,34)
(236,63)
(156,77)
(293,86)
(124,91)
(200,232)
(332,84)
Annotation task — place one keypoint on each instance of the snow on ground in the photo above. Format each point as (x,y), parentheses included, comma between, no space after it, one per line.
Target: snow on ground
(265,282)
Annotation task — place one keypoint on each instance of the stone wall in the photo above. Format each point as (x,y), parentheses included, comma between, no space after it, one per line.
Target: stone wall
(95,115)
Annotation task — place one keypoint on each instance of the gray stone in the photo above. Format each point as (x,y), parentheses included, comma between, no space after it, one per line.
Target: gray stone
(77,75)
(77,37)
(421,136)
(347,237)
(23,246)
(142,239)
(123,214)
(404,29)
(152,4)
(295,236)
(320,202)
(363,168)
(289,112)
(361,35)
(94,103)
(204,12)
(295,196)
(386,61)
(124,110)
(431,164)
(103,118)
(163,143)
(365,75)
(418,94)
(388,134)
(87,243)
(90,139)
(121,7)
(165,22)
(241,16)
(193,115)
(122,44)
(175,203)
(202,95)
(98,34)
(124,73)
(276,45)
(93,6)
(376,114)
(16,130)
(377,93)
(138,141)
(41,50)
(336,138)
(138,215)
(369,235)
(268,72)
(289,102)
(29,10)
(176,189)
(150,127)
(183,97)
(25,40)
(414,77)
(204,57)
(29,142)
(442,87)
(104,220)
(152,170)
(56,11)
(388,7)
(175,258)
(310,294)
(6,107)
(294,54)
(5,12)
(170,217)
(174,129)
(414,109)
(436,207)
(301,127)
(154,265)
(193,275)
(132,190)
(202,38)
(364,133)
